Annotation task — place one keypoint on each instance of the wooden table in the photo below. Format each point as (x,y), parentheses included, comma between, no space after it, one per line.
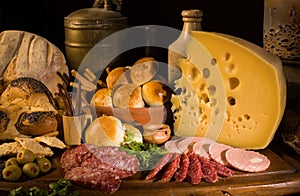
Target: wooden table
(281,178)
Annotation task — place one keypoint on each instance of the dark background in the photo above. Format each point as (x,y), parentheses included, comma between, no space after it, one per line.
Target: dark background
(241,18)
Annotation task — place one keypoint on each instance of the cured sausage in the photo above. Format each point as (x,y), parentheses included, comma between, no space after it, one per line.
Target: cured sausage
(249,161)
(194,173)
(100,168)
(222,170)
(171,168)
(208,170)
(160,164)
(94,178)
(181,173)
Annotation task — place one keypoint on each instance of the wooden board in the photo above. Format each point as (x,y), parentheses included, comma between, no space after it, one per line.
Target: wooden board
(281,178)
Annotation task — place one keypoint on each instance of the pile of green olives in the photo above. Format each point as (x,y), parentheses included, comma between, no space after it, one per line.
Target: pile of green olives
(27,163)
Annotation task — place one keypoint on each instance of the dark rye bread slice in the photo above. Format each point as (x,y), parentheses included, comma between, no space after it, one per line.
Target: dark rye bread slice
(24,54)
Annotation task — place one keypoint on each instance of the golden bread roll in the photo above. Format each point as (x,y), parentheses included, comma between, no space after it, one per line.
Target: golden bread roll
(128,96)
(105,131)
(144,59)
(116,76)
(30,108)
(143,70)
(102,97)
(156,93)
(37,123)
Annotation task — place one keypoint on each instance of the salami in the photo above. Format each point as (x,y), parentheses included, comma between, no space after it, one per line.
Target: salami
(160,164)
(194,173)
(222,170)
(100,168)
(171,168)
(208,170)
(94,178)
(246,160)
(181,173)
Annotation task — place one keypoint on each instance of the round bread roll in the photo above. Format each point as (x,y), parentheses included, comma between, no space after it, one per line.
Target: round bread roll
(102,97)
(143,70)
(156,93)
(144,59)
(24,54)
(105,131)
(116,76)
(128,96)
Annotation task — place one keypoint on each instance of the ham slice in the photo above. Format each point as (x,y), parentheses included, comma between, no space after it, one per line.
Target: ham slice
(217,152)
(249,161)
(201,146)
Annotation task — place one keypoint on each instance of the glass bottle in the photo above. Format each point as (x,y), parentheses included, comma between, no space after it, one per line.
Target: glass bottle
(191,22)
(281,31)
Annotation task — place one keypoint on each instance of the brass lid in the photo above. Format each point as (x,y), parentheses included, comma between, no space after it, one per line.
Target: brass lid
(94,17)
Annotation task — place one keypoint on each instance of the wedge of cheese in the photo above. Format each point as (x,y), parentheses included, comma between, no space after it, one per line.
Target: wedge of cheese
(243,110)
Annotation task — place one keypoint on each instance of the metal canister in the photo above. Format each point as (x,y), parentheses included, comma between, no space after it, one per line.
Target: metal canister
(84,28)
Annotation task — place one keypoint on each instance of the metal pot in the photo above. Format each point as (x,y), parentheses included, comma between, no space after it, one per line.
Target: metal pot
(86,27)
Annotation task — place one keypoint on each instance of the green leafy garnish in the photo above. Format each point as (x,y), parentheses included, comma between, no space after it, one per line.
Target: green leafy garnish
(60,188)
(147,153)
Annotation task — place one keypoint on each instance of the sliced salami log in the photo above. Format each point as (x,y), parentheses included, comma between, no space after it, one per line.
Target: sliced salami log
(194,174)
(100,168)
(208,170)
(222,170)
(171,168)
(94,178)
(245,160)
(217,152)
(160,164)
(181,173)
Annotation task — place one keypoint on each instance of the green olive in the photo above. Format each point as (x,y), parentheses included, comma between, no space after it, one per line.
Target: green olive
(44,164)
(25,156)
(11,161)
(31,169)
(11,173)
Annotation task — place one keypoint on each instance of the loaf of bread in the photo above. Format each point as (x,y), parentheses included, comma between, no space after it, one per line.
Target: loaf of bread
(24,54)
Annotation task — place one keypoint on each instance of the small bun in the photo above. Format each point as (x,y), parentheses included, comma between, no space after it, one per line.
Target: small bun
(128,96)
(143,70)
(116,76)
(156,93)
(102,97)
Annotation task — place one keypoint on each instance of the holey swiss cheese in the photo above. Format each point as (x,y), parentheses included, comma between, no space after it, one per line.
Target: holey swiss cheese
(230,90)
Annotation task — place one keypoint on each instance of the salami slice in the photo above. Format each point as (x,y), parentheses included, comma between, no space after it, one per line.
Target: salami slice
(245,160)
(217,152)
(160,164)
(171,168)
(222,170)
(194,174)
(208,170)
(181,173)
(97,179)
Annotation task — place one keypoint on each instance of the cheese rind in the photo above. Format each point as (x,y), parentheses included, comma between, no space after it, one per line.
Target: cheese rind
(255,91)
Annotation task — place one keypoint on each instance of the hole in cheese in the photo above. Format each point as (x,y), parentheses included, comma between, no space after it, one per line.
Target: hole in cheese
(227,56)
(206,73)
(233,83)
(231,101)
